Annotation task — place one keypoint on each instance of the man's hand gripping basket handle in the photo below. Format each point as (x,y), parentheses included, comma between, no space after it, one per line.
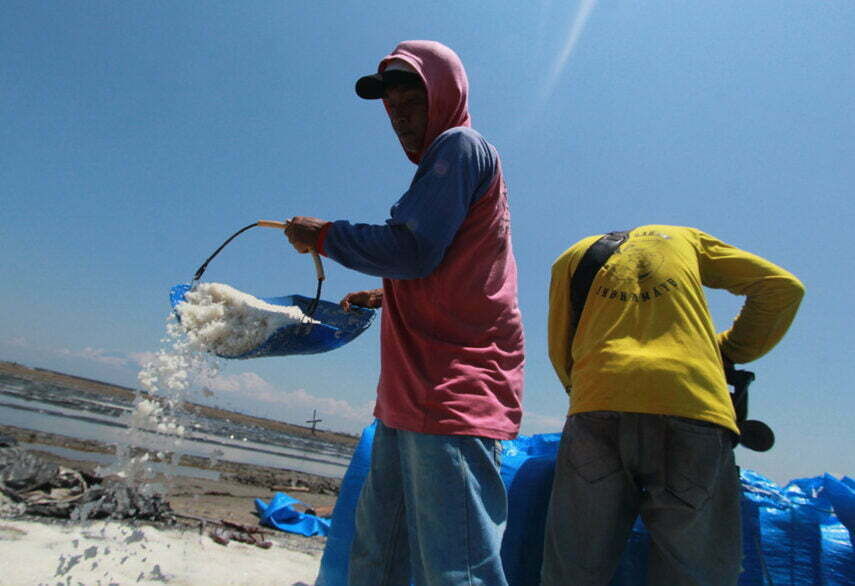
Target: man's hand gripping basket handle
(319,267)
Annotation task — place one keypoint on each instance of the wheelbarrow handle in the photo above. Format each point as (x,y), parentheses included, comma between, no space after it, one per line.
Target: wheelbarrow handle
(319,267)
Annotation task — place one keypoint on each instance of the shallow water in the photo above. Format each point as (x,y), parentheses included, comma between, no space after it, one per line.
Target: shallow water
(107,459)
(53,409)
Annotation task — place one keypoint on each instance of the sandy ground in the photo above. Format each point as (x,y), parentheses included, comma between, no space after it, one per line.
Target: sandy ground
(50,551)
(102,553)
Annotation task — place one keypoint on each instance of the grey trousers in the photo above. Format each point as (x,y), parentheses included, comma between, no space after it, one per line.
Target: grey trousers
(678,474)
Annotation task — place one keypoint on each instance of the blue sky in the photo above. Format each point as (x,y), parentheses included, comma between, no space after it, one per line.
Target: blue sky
(136,137)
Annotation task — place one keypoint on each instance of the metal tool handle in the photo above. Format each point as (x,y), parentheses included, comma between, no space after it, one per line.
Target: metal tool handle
(319,266)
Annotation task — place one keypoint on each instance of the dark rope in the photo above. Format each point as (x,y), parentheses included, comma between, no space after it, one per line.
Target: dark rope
(204,266)
(313,305)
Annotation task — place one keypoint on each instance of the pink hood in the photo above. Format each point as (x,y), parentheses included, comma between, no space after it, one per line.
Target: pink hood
(447,87)
(451,342)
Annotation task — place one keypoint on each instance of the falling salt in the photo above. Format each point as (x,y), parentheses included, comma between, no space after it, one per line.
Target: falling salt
(157,424)
(215,320)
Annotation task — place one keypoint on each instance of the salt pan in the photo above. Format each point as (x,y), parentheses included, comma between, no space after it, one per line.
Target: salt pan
(229,322)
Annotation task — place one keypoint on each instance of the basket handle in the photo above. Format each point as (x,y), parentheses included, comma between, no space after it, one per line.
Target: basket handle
(319,267)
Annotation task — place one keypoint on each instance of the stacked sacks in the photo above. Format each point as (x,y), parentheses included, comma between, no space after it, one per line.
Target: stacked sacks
(797,535)
(801,534)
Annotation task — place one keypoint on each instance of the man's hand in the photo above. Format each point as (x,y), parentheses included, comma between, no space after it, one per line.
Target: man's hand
(302,232)
(371,299)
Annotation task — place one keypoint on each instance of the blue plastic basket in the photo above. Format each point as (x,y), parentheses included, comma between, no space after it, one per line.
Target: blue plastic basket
(336,328)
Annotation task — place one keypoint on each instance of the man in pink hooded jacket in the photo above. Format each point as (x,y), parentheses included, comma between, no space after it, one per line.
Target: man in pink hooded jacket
(433,507)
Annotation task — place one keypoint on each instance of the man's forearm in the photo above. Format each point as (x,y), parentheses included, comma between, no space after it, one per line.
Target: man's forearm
(388,251)
(767,314)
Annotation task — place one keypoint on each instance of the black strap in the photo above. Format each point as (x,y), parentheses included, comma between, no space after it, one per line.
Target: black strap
(593,260)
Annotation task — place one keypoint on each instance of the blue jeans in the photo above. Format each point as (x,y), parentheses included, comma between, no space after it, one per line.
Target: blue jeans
(432,512)
(677,473)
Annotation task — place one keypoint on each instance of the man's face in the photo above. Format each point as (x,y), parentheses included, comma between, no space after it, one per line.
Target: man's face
(408,111)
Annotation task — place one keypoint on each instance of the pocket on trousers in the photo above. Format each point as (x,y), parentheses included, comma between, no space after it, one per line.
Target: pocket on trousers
(694,453)
(592,450)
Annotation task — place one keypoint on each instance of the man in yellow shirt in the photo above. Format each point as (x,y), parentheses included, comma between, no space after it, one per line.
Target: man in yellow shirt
(651,426)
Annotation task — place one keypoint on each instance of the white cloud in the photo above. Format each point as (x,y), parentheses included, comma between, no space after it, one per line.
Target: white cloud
(100,355)
(245,381)
(536,423)
(96,355)
(577,25)
(288,405)
(141,358)
(337,407)
(17,342)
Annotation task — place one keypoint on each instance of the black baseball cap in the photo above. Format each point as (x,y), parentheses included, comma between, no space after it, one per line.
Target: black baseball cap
(372,87)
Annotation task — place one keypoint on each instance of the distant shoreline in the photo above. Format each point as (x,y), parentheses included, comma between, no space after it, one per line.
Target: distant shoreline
(251,474)
(128,394)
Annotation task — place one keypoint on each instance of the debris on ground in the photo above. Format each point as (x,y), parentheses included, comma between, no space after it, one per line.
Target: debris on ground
(32,486)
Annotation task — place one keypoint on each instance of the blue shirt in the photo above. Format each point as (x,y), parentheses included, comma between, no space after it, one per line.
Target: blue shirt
(454,172)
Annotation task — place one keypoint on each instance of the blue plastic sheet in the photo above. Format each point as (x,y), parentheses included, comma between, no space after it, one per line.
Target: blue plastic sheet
(796,535)
(280,515)
(336,328)
(333,570)
(528,465)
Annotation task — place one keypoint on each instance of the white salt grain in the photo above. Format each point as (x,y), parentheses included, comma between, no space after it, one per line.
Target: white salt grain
(229,322)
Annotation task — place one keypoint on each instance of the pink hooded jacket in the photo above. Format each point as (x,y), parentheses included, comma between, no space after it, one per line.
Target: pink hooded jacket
(452,342)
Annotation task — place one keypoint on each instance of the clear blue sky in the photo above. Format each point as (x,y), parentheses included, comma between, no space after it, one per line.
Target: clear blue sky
(135,137)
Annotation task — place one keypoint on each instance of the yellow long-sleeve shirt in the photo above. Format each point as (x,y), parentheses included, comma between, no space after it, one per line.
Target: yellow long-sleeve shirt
(645,342)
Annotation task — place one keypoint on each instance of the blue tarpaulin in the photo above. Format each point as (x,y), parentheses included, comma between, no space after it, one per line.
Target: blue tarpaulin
(334,563)
(280,515)
(797,535)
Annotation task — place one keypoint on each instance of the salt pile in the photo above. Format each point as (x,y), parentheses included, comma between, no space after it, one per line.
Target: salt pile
(229,322)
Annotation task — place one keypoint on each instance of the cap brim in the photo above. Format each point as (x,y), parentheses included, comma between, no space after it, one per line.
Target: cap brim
(372,87)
